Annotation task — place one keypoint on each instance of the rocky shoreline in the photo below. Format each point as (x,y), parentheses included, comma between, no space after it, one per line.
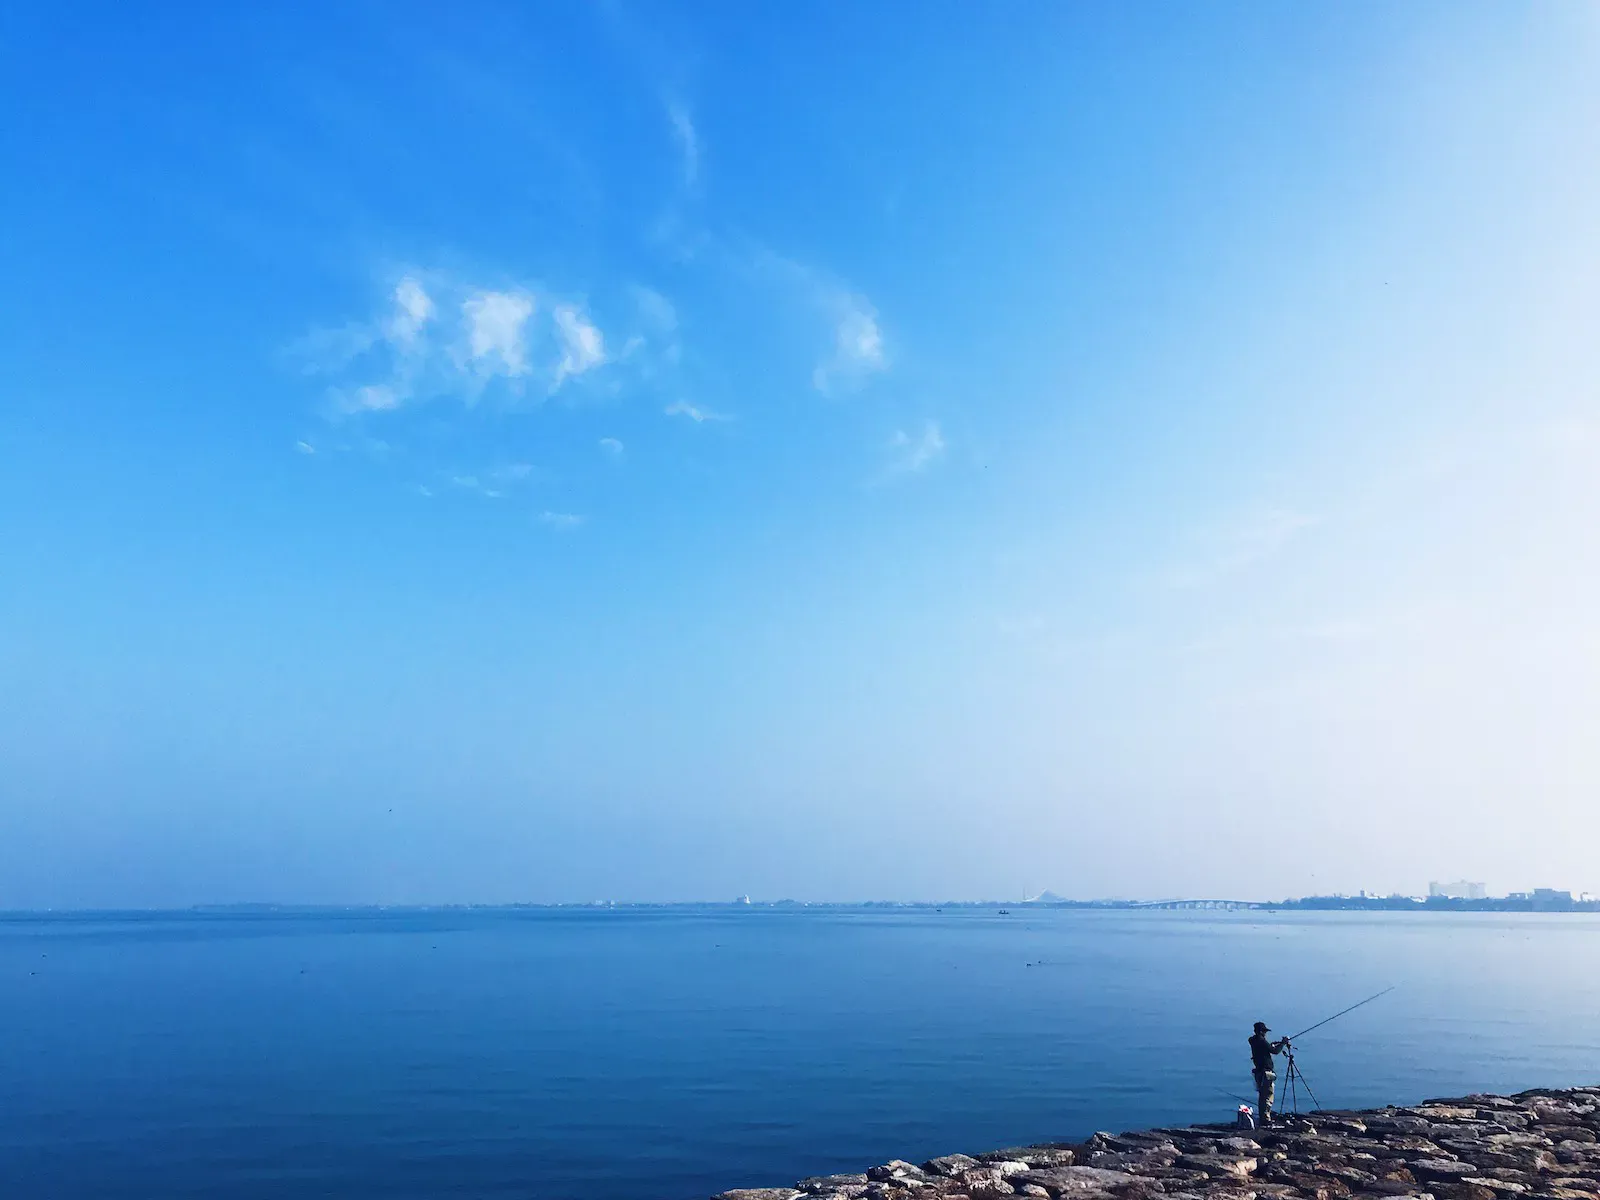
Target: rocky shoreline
(1538,1145)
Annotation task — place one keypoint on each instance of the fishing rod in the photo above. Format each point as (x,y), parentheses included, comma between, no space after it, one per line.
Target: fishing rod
(1337,1015)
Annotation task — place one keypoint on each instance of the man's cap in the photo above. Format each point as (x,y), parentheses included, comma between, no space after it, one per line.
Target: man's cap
(1261,1027)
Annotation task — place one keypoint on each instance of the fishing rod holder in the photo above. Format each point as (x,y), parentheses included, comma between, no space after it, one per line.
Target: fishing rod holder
(1293,1080)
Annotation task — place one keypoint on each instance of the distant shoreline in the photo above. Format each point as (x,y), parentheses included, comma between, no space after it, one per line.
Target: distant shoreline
(1008,907)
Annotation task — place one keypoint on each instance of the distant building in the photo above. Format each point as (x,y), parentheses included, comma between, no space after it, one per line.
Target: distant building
(1551,896)
(1460,890)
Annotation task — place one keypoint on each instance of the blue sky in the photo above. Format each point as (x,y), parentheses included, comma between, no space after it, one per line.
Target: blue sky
(831,451)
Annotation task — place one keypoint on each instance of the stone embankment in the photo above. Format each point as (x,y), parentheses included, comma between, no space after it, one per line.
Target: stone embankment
(1540,1145)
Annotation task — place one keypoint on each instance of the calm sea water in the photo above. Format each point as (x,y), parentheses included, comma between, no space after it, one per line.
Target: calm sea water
(637,1055)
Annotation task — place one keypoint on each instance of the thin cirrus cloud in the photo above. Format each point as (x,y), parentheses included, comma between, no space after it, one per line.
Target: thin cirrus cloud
(497,337)
(583,347)
(688,140)
(413,308)
(857,346)
(655,309)
(611,447)
(436,337)
(660,322)
(367,397)
(682,408)
(493,483)
(913,452)
(560,520)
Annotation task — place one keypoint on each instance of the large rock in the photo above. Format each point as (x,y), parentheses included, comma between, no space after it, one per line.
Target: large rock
(1007,1166)
(949,1165)
(1135,1161)
(1390,1186)
(759,1194)
(980,1183)
(1067,1181)
(1240,1145)
(1399,1123)
(1034,1156)
(896,1169)
(1569,1133)
(1444,1170)
(847,1187)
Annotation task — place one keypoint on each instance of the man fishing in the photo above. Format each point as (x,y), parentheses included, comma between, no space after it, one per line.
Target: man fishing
(1261,1052)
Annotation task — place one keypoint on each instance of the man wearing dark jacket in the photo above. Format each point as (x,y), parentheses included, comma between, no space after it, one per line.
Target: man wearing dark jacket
(1261,1052)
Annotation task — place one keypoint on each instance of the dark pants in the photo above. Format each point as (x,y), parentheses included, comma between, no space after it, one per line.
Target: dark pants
(1265,1083)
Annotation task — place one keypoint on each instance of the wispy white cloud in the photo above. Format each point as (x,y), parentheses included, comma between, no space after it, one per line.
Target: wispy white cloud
(492,482)
(912,452)
(367,397)
(583,347)
(611,447)
(682,408)
(857,346)
(683,132)
(656,309)
(305,447)
(434,337)
(496,328)
(560,520)
(413,308)
(472,483)
(659,337)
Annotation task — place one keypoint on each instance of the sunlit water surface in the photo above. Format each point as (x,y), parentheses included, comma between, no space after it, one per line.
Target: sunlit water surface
(653,1055)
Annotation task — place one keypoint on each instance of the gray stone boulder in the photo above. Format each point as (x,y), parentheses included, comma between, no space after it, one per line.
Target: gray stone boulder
(1399,1123)
(1501,1187)
(1218,1165)
(1008,1166)
(1033,1156)
(897,1169)
(949,1165)
(980,1183)
(847,1187)
(1070,1181)
(1440,1170)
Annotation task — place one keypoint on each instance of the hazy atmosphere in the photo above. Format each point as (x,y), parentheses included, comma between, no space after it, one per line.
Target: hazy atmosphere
(664,452)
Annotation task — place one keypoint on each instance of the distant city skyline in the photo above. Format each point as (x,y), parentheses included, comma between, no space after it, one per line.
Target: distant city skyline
(666,451)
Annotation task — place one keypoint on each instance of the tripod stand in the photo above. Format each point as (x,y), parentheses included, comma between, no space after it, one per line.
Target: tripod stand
(1293,1081)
